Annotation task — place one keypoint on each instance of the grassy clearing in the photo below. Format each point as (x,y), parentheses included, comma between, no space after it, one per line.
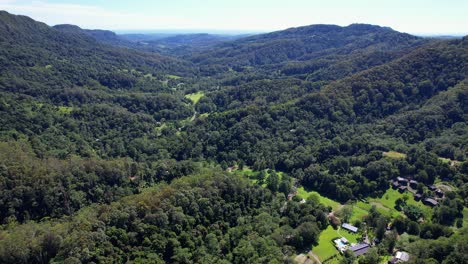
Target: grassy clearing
(174,77)
(195,97)
(385,259)
(358,214)
(352,237)
(386,204)
(449,161)
(65,109)
(252,175)
(301,192)
(325,248)
(465,216)
(394,155)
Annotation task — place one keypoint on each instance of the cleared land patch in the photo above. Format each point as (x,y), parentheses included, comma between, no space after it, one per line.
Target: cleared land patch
(195,97)
(304,194)
(394,155)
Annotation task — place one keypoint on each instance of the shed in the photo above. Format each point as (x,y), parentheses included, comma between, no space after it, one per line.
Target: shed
(349,227)
(402,180)
(413,183)
(402,256)
(430,202)
(417,196)
(402,189)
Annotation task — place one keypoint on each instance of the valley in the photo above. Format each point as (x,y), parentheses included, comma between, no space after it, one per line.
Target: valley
(257,148)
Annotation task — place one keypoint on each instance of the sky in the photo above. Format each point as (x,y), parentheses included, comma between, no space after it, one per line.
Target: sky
(421,17)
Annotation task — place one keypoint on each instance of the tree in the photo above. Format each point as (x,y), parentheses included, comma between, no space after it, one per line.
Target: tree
(273,181)
(371,257)
(413,212)
(400,225)
(399,203)
(381,227)
(285,185)
(413,228)
(346,212)
(307,234)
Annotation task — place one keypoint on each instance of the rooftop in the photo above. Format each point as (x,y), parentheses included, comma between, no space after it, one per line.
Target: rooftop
(360,249)
(403,256)
(349,227)
(431,201)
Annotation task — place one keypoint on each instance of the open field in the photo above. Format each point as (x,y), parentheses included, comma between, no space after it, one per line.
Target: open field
(358,214)
(252,175)
(325,248)
(301,192)
(195,97)
(394,155)
(386,204)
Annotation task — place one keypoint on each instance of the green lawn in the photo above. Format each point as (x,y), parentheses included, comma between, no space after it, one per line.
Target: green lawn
(195,97)
(325,247)
(358,214)
(352,237)
(394,155)
(386,204)
(465,217)
(301,192)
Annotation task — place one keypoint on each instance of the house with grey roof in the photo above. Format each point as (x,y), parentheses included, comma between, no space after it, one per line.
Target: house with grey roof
(360,249)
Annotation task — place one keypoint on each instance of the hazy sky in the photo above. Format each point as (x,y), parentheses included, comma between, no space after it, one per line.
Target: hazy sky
(412,16)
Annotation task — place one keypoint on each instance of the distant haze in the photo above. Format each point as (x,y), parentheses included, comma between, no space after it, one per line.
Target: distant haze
(420,17)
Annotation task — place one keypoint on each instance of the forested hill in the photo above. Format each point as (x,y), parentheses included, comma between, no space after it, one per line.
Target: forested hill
(308,43)
(75,56)
(110,152)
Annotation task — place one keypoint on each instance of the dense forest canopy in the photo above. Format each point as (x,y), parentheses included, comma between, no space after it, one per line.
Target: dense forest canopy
(196,148)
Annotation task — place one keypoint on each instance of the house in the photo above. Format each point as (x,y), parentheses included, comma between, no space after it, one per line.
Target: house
(349,227)
(413,184)
(432,187)
(430,202)
(401,256)
(395,185)
(360,249)
(439,193)
(417,197)
(402,181)
(402,189)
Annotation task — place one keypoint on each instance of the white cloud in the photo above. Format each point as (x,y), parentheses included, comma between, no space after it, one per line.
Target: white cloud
(88,16)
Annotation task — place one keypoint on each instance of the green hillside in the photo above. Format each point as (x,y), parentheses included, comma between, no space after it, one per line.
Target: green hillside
(202,148)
